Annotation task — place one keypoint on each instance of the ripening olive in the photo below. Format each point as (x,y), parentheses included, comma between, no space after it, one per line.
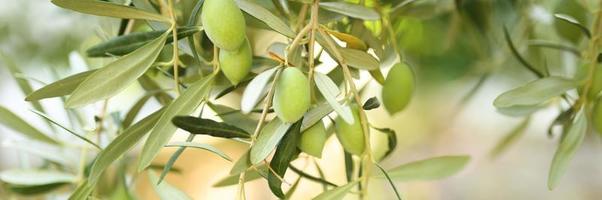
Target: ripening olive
(236,64)
(291,95)
(351,136)
(313,139)
(398,88)
(597,116)
(224,23)
(575,10)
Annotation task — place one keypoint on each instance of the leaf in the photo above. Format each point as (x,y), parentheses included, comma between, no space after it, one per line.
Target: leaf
(122,45)
(256,90)
(371,103)
(267,140)
(315,114)
(121,144)
(250,174)
(359,59)
(266,17)
(116,76)
(243,163)
(201,126)
(535,92)
(330,90)
(133,112)
(429,169)
(66,129)
(389,180)
(378,76)
(336,193)
(34,190)
(518,111)
(567,148)
(574,22)
(101,8)
(200,146)
(150,85)
(165,190)
(59,88)
(82,191)
(35,177)
(285,153)
(234,117)
(14,122)
(164,129)
(352,41)
(519,57)
(391,140)
(173,158)
(351,10)
(510,138)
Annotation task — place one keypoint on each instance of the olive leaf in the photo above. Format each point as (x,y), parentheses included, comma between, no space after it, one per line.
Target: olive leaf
(82,191)
(574,22)
(165,190)
(351,10)
(285,153)
(256,90)
(267,140)
(107,9)
(391,140)
(134,110)
(35,177)
(61,87)
(352,41)
(337,193)
(315,114)
(243,163)
(250,174)
(16,123)
(510,138)
(116,76)
(196,125)
(330,91)
(164,129)
(121,144)
(46,117)
(429,169)
(122,45)
(567,148)
(200,146)
(535,92)
(234,117)
(389,180)
(353,57)
(371,103)
(266,17)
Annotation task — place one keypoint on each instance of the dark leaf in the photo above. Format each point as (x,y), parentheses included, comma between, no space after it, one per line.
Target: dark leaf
(202,126)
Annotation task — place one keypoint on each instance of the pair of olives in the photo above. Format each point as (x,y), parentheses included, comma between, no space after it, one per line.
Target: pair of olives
(225,26)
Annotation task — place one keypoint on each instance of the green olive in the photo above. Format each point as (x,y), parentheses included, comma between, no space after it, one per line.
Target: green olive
(224,23)
(398,88)
(597,116)
(313,139)
(351,136)
(236,64)
(566,30)
(291,95)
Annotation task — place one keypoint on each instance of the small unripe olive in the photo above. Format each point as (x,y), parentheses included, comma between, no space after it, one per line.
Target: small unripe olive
(566,30)
(313,139)
(597,116)
(291,95)
(236,64)
(351,136)
(398,88)
(224,23)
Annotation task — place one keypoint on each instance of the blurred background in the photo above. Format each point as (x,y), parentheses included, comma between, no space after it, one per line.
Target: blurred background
(458,53)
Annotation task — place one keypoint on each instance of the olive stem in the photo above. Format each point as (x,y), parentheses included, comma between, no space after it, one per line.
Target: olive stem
(175,57)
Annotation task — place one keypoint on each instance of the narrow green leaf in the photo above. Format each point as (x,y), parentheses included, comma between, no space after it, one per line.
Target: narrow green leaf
(519,57)
(122,45)
(567,148)
(336,193)
(164,129)
(133,112)
(574,22)
(61,87)
(107,9)
(82,191)
(389,180)
(266,17)
(195,125)
(313,178)
(267,140)
(234,117)
(34,190)
(16,123)
(349,165)
(256,90)
(351,10)
(535,92)
(250,175)
(243,163)
(330,91)
(285,153)
(116,76)
(315,114)
(173,158)
(510,138)
(35,177)
(66,129)
(429,169)
(207,147)
(151,86)
(165,190)
(121,144)
(359,59)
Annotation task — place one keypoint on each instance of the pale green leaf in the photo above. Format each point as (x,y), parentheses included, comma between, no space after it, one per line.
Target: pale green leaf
(16,123)
(266,17)
(315,114)
(267,140)
(429,169)
(570,142)
(165,190)
(207,147)
(250,174)
(535,92)
(116,76)
(330,91)
(34,177)
(256,90)
(336,193)
(107,9)
(46,117)
(59,88)
(351,10)
(359,59)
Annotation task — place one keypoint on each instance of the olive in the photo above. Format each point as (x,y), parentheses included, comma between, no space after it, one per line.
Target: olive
(291,95)
(575,10)
(351,136)
(236,64)
(313,139)
(224,23)
(398,88)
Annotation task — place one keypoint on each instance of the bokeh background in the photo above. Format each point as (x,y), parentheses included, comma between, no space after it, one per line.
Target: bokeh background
(450,53)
